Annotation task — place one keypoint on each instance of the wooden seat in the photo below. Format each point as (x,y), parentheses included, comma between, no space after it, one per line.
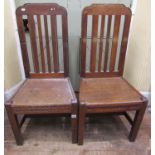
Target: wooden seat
(47,89)
(44,92)
(108,91)
(104,36)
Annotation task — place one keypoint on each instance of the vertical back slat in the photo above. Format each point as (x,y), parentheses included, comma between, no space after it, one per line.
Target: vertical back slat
(101,43)
(83,43)
(47,44)
(41,44)
(107,42)
(114,42)
(94,43)
(23,45)
(33,42)
(55,43)
(65,43)
(124,43)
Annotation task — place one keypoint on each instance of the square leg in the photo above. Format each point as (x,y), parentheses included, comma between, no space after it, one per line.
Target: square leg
(74,121)
(137,122)
(81,128)
(14,125)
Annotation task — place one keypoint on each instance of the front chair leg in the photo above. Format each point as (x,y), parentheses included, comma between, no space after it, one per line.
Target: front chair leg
(74,121)
(82,113)
(137,122)
(15,125)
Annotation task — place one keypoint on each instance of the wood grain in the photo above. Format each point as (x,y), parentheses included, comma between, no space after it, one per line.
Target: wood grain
(55,43)
(47,44)
(41,43)
(124,43)
(107,43)
(114,43)
(101,43)
(65,43)
(32,30)
(23,44)
(94,43)
(83,43)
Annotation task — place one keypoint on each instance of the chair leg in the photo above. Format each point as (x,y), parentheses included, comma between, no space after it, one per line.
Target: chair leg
(74,121)
(82,113)
(15,125)
(137,122)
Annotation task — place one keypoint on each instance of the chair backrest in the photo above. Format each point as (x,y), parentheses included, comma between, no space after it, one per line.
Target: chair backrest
(41,51)
(109,29)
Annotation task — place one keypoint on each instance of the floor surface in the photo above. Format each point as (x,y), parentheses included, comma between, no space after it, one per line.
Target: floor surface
(105,135)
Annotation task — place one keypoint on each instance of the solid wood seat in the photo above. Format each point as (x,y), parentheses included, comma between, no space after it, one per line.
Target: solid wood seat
(44,92)
(104,37)
(112,90)
(47,89)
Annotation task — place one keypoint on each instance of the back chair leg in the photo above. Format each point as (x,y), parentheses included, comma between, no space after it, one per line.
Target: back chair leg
(137,122)
(74,121)
(15,125)
(82,115)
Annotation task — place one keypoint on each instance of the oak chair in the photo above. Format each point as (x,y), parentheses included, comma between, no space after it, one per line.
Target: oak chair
(102,86)
(47,89)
